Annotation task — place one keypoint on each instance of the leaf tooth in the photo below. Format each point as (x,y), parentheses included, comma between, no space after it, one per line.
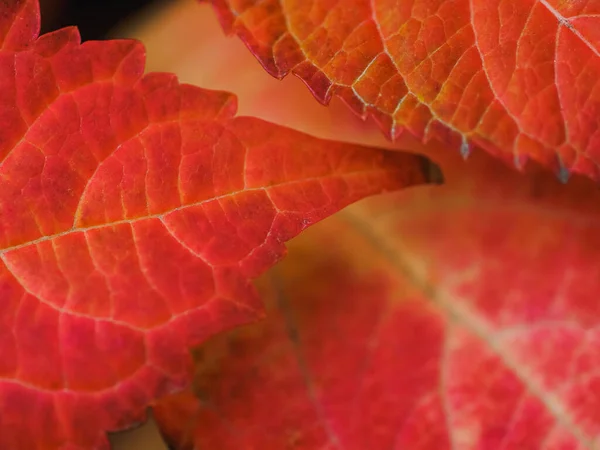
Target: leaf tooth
(520,160)
(562,173)
(465,148)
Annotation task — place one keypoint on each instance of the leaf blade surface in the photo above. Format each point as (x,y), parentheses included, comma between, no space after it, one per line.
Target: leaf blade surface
(133,212)
(518,78)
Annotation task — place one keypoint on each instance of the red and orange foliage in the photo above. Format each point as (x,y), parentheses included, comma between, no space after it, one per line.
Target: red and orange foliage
(518,78)
(459,316)
(134,210)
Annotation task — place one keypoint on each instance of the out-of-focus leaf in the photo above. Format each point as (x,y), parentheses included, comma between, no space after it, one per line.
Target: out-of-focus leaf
(462,316)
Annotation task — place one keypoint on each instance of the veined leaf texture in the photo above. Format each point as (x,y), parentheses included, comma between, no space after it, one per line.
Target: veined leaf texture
(464,315)
(518,78)
(134,211)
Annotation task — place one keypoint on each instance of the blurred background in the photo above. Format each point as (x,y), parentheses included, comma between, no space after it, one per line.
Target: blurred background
(94,18)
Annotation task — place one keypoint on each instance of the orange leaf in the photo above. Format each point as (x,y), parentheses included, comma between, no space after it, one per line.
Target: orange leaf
(133,211)
(461,316)
(518,78)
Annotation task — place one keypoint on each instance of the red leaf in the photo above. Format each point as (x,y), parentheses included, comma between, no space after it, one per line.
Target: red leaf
(133,211)
(462,316)
(515,77)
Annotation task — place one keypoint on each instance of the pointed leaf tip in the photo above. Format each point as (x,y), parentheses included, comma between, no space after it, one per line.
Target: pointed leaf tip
(488,290)
(563,173)
(465,149)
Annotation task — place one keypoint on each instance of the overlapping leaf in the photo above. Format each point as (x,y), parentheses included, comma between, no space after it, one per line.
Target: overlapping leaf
(518,78)
(133,211)
(462,316)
